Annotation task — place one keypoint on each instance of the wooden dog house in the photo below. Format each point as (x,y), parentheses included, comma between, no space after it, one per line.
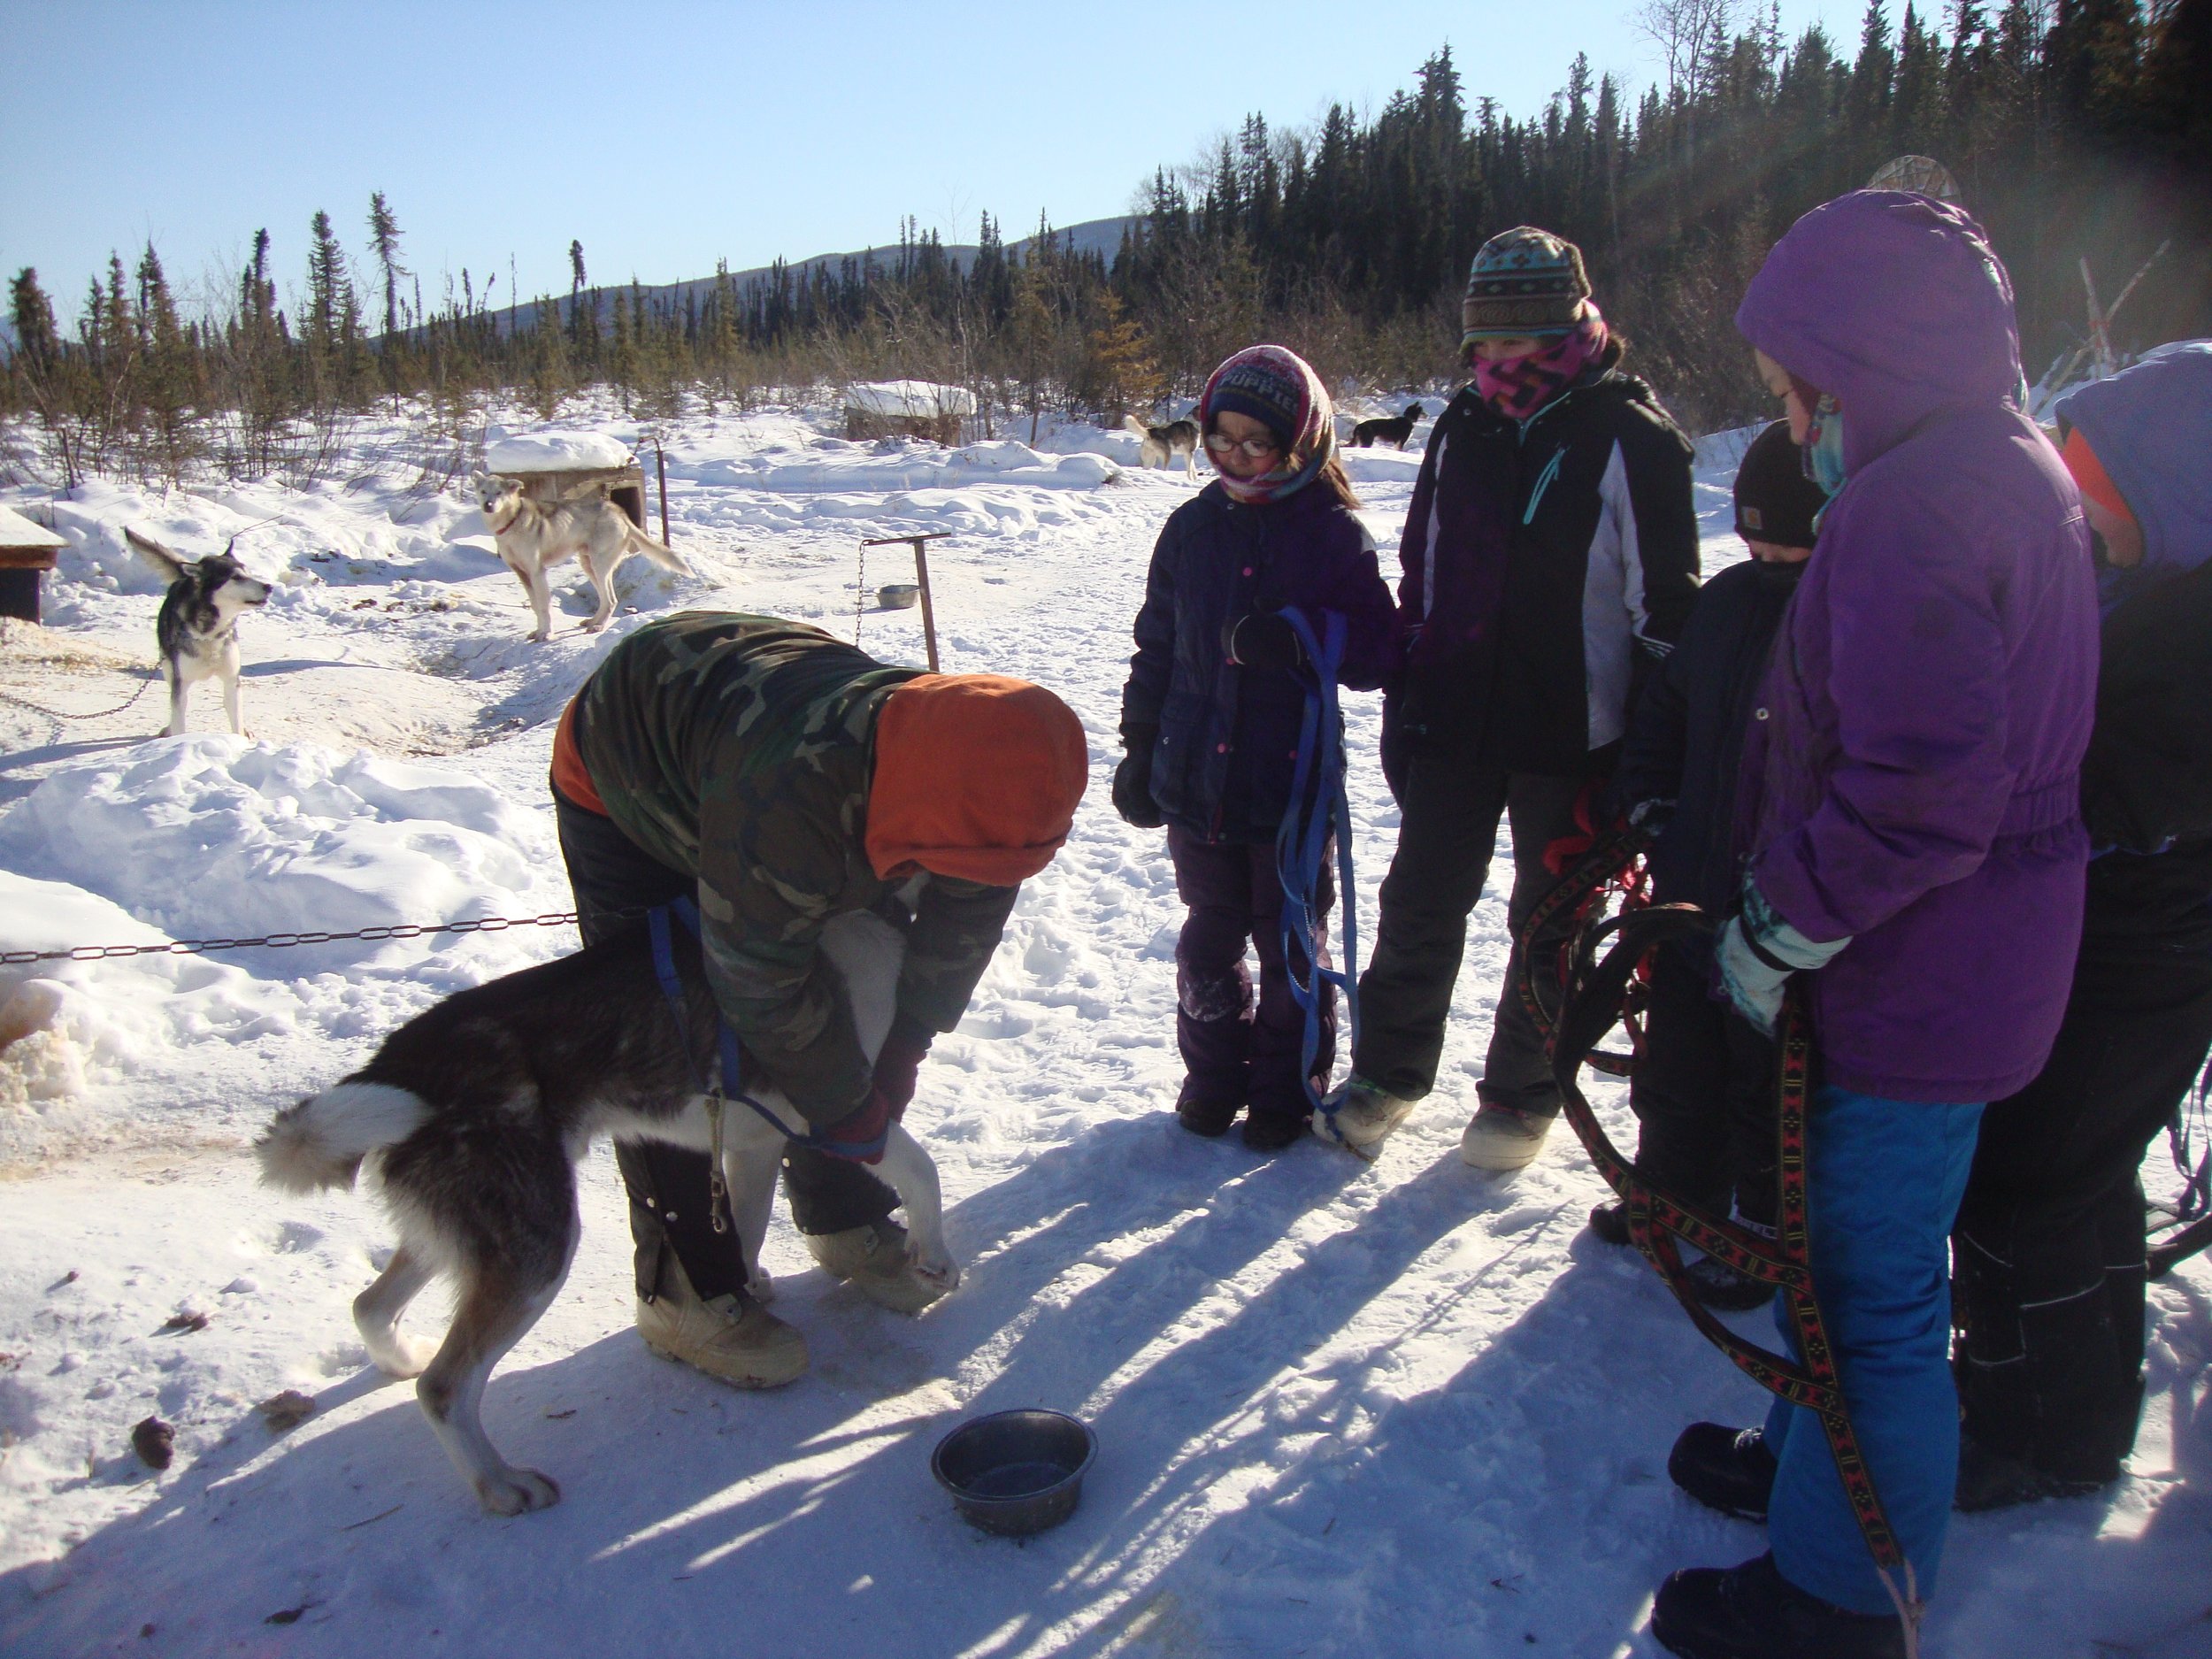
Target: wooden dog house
(907,409)
(562,466)
(27,552)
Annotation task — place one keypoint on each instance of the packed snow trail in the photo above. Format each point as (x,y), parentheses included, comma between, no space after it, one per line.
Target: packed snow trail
(1343,1408)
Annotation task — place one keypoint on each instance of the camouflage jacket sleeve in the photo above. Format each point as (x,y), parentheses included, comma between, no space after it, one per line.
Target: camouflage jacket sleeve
(956,927)
(769,881)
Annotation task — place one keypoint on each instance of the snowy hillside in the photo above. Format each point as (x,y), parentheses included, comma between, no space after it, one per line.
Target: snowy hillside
(1343,1409)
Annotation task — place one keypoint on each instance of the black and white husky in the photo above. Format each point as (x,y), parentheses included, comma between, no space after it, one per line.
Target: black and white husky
(197,632)
(1163,444)
(593,531)
(474,1113)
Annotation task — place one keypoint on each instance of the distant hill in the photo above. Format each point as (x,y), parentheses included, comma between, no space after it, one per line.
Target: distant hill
(1098,236)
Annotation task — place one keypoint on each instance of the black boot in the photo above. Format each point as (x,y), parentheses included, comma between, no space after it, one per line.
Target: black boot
(1204,1113)
(1991,1480)
(1609,1222)
(1272,1131)
(1752,1612)
(1724,1469)
(1717,1284)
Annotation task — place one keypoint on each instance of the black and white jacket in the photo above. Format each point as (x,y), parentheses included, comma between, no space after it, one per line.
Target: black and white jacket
(1546,566)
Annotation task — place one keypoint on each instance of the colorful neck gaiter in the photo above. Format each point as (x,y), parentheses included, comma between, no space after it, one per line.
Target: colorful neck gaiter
(1824,446)
(1520,387)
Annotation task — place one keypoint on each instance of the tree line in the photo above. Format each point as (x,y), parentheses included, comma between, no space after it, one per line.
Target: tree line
(2078,130)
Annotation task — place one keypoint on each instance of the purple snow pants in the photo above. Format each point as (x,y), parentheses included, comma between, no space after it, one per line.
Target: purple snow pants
(1237,1051)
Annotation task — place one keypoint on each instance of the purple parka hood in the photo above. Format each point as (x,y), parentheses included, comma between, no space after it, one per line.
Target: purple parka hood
(1895,305)
(1911,776)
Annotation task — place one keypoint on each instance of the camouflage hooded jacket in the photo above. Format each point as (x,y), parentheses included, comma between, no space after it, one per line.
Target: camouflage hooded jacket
(740,750)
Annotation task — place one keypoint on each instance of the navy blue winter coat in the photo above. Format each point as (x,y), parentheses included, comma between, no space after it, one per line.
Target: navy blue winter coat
(1225,738)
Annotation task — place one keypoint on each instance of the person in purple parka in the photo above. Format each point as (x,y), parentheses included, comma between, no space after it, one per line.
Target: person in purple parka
(1911,815)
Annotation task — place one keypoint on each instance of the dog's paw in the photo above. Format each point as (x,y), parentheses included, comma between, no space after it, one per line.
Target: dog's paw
(760,1286)
(401,1356)
(516,1492)
(538,636)
(941,1271)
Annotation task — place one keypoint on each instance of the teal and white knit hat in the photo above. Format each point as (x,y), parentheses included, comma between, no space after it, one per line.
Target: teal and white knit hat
(1525,282)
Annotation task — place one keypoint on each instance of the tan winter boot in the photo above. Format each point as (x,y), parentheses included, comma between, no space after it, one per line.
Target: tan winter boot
(1364,1117)
(1502,1138)
(877,1262)
(734,1339)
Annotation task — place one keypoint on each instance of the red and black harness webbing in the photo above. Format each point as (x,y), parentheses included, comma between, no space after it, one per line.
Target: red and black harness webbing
(1569,927)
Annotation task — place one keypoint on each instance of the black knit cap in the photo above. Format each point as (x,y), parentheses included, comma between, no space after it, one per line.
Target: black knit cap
(1775,501)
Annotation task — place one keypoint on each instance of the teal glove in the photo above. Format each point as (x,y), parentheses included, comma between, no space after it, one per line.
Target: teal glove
(1757,953)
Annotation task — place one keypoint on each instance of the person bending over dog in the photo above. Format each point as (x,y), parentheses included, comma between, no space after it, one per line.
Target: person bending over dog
(781,777)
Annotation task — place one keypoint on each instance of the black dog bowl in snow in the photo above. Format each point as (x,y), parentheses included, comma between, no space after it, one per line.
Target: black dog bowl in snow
(1015,1471)
(898,595)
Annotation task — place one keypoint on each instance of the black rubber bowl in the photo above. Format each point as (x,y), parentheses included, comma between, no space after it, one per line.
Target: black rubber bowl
(1015,1472)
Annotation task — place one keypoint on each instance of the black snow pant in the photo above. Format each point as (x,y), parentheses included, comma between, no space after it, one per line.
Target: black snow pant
(1239,1049)
(1450,808)
(671,1207)
(1703,1093)
(2047,1256)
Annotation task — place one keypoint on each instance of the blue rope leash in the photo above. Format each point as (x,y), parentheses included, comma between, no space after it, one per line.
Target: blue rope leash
(730,1084)
(1320,808)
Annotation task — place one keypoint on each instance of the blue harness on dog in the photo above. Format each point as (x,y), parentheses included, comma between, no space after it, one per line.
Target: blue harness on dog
(726,1078)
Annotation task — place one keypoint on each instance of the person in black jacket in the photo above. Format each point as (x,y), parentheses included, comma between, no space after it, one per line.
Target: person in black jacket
(1211,714)
(1549,559)
(2047,1256)
(1702,1087)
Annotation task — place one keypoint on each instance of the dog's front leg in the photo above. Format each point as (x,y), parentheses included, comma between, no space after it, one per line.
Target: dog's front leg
(233,697)
(750,1162)
(538,592)
(176,700)
(912,1174)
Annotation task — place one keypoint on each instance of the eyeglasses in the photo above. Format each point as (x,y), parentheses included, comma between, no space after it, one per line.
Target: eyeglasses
(1258,449)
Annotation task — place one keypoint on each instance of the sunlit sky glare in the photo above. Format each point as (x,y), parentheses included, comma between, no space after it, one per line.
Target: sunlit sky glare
(666,137)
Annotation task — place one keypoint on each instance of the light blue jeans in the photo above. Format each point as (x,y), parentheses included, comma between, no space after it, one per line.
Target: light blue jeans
(1884,1181)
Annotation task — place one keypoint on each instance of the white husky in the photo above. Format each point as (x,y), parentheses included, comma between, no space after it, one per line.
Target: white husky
(593,530)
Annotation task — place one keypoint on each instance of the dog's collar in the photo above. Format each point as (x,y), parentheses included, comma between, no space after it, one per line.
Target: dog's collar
(501,529)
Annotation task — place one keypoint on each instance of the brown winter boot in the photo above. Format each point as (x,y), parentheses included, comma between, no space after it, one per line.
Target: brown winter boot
(876,1260)
(732,1339)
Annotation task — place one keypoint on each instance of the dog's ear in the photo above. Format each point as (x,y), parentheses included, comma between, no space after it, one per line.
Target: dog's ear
(165,563)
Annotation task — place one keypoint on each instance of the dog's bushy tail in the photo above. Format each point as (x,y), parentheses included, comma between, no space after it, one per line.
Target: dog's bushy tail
(320,1142)
(659,552)
(1130,423)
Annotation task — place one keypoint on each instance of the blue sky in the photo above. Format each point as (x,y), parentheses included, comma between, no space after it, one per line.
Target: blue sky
(664,137)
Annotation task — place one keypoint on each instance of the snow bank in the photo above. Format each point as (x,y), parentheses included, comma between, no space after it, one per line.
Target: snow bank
(555,452)
(857,469)
(217,837)
(910,399)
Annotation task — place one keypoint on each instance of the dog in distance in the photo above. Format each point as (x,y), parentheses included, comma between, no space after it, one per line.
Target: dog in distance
(1164,445)
(592,530)
(1394,430)
(196,632)
(473,1116)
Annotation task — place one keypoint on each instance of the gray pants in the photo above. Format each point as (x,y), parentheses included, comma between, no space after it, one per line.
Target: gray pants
(1451,810)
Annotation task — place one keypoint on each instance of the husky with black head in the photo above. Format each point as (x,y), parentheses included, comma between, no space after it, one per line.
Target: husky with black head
(196,632)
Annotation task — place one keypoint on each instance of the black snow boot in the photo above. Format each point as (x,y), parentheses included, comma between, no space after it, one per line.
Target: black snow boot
(1204,1113)
(1609,1222)
(1717,1284)
(1724,1469)
(1753,1612)
(1991,1480)
(1272,1131)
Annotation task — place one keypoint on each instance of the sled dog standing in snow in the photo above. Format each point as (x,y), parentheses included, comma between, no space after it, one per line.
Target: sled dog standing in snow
(1163,444)
(197,632)
(1392,430)
(593,531)
(476,1112)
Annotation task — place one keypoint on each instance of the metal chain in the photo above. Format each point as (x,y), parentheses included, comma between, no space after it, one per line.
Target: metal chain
(98,714)
(281,941)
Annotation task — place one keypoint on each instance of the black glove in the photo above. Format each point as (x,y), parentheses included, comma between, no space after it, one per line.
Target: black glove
(1133,781)
(1262,639)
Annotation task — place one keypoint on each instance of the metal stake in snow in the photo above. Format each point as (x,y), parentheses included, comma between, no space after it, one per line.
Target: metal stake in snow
(921,578)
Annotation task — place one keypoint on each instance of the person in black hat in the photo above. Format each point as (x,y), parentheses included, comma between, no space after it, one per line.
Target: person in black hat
(1702,1085)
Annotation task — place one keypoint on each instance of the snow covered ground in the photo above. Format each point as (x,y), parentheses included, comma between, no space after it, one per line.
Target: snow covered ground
(1343,1409)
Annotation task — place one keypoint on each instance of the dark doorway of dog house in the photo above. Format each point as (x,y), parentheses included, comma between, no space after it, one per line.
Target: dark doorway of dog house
(27,552)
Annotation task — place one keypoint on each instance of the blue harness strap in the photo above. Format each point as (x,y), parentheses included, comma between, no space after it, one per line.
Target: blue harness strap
(1319,808)
(730,1056)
